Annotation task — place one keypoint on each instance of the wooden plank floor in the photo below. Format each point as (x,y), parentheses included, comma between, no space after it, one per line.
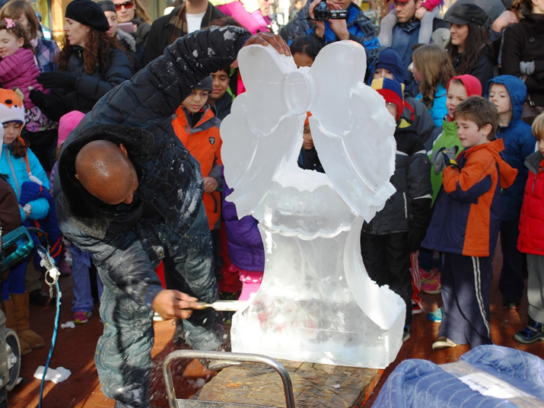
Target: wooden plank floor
(76,347)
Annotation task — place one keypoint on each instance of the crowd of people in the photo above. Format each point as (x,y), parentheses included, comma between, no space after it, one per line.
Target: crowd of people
(464,90)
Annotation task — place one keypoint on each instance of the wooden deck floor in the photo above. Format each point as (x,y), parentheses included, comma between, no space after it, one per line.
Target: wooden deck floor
(76,347)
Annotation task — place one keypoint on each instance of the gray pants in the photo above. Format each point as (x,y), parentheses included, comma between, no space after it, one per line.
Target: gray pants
(123,355)
(535,287)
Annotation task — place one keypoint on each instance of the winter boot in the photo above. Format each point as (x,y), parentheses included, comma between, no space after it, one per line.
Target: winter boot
(22,312)
(10,324)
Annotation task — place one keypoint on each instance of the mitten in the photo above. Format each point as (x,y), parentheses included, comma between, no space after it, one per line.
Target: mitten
(527,68)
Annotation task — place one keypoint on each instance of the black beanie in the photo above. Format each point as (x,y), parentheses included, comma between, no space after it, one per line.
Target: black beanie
(107,5)
(87,13)
(206,84)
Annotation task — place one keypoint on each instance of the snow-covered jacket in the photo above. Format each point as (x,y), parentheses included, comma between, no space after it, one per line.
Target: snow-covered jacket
(531,222)
(519,143)
(19,70)
(138,113)
(17,172)
(409,206)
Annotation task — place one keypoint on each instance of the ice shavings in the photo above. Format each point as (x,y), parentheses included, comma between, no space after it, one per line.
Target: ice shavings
(53,374)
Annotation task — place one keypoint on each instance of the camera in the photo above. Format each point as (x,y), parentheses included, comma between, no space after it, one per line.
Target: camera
(322,13)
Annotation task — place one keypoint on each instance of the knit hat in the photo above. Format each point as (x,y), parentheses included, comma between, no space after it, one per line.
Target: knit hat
(68,123)
(471,83)
(466,13)
(390,60)
(391,92)
(11,106)
(107,5)
(206,84)
(88,13)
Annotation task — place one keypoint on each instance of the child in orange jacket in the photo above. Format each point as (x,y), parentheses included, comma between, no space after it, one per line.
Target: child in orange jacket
(466,220)
(198,129)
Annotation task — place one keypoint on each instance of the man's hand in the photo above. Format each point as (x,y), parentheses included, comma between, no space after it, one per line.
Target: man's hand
(173,304)
(340,27)
(270,39)
(319,25)
(210,184)
(504,20)
(420,12)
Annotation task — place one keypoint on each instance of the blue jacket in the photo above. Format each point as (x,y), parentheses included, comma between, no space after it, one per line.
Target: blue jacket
(438,110)
(359,25)
(17,174)
(519,143)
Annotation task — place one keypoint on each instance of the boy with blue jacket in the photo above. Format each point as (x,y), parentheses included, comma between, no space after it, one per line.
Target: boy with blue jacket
(466,220)
(508,93)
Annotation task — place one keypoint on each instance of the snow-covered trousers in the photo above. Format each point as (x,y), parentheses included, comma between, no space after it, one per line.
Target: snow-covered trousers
(123,354)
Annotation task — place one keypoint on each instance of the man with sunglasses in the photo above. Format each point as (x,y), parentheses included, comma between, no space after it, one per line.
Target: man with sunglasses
(192,15)
(129,192)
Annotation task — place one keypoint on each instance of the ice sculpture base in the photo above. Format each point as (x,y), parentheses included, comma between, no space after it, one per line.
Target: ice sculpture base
(305,310)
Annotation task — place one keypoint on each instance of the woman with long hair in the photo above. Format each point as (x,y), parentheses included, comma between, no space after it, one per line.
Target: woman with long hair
(523,48)
(132,11)
(433,70)
(469,46)
(90,64)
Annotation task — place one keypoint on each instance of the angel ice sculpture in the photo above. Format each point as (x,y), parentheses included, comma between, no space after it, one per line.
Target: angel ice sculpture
(316,302)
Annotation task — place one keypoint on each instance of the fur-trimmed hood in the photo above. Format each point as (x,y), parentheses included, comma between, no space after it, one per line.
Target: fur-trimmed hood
(126,39)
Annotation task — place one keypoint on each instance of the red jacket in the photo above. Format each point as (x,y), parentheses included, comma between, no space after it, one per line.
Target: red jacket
(531,222)
(204,143)
(19,70)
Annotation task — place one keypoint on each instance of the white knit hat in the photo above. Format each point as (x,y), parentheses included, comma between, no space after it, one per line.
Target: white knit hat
(11,106)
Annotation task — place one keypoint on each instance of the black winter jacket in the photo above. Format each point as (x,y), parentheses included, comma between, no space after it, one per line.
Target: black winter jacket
(89,88)
(170,188)
(524,41)
(164,31)
(410,206)
(483,69)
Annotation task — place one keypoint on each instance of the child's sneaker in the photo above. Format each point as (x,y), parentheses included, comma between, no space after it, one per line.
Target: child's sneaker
(531,334)
(81,317)
(417,308)
(424,276)
(510,304)
(432,286)
(436,316)
(443,343)
(406,333)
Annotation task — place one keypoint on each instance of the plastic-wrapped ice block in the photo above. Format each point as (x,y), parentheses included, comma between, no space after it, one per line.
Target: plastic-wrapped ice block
(316,302)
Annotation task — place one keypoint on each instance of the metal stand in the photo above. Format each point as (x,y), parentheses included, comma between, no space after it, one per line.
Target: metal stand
(216,355)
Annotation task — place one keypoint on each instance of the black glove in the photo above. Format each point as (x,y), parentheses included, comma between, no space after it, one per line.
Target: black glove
(415,237)
(39,98)
(58,79)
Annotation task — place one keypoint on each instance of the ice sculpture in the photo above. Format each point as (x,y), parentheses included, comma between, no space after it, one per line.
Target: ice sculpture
(316,302)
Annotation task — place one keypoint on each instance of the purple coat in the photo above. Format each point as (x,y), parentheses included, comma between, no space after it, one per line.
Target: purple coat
(19,70)
(244,241)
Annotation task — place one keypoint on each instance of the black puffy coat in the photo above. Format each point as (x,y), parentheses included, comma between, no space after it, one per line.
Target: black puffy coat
(410,205)
(170,185)
(89,88)
(524,41)
(483,68)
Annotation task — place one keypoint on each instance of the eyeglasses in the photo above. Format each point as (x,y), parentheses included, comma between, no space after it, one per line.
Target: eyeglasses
(127,4)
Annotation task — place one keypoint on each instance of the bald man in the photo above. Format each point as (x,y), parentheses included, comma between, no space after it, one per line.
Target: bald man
(129,193)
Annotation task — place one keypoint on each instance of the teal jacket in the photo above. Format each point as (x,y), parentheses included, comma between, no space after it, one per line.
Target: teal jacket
(17,173)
